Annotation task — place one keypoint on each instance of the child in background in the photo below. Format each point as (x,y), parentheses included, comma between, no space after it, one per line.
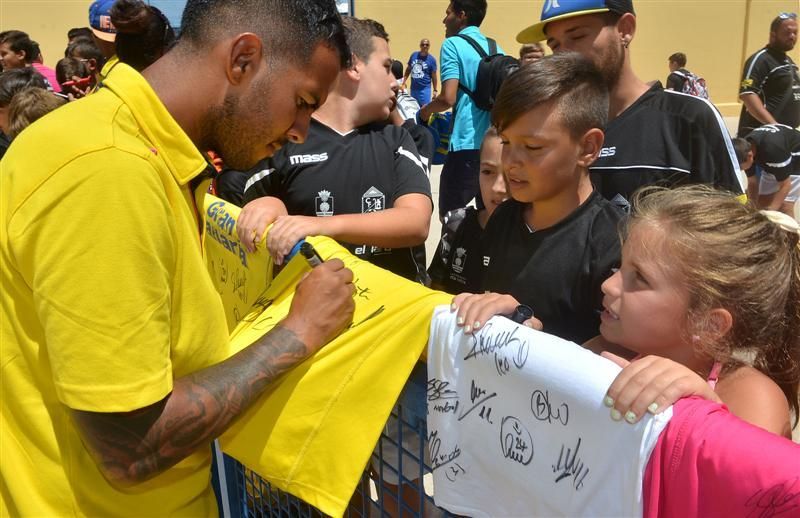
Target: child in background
(456,267)
(407,107)
(12,82)
(74,77)
(553,244)
(697,302)
(28,105)
(776,153)
(88,53)
(744,155)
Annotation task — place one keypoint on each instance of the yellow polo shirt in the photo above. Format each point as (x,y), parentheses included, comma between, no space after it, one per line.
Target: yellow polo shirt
(105,301)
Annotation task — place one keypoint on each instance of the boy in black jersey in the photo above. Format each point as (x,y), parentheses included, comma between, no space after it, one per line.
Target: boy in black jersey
(776,150)
(654,136)
(457,265)
(554,243)
(354,179)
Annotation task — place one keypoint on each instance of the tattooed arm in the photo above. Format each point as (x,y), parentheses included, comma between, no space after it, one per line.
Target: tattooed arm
(132,447)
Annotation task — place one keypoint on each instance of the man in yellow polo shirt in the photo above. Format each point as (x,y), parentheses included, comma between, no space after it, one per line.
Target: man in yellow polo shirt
(114,343)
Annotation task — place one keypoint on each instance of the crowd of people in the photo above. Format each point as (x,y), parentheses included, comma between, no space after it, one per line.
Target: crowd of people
(114,333)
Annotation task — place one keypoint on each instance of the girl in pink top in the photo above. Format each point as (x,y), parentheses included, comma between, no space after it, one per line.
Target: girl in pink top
(709,289)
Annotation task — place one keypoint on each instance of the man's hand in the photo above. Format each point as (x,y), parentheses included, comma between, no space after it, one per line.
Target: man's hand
(315,323)
(254,219)
(288,230)
(132,447)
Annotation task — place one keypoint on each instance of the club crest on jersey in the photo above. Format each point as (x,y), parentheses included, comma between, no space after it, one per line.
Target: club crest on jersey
(372,201)
(323,204)
(308,159)
(459,260)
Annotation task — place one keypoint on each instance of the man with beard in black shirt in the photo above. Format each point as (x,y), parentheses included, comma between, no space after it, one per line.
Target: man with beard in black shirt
(654,137)
(770,90)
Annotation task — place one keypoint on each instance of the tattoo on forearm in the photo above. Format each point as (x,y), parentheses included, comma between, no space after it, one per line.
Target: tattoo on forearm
(141,444)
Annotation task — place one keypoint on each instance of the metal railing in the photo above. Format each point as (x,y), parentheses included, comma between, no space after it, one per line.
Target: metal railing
(398,456)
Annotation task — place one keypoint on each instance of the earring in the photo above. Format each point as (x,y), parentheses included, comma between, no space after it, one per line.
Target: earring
(625,42)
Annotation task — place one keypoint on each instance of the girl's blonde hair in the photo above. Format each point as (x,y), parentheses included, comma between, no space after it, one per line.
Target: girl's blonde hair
(734,257)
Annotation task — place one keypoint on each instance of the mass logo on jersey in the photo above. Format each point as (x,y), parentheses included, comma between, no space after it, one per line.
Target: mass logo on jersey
(308,159)
(608,151)
(372,201)
(459,260)
(324,203)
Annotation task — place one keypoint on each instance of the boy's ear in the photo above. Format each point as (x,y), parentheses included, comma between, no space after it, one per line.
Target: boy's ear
(591,144)
(354,72)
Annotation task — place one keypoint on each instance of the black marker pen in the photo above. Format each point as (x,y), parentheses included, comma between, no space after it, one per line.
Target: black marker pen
(521,314)
(311,255)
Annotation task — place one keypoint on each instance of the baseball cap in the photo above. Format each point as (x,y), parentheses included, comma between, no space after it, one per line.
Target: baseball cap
(100,20)
(562,9)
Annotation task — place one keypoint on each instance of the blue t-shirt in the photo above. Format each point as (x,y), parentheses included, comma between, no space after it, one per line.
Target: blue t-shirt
(460,61)
(421,70)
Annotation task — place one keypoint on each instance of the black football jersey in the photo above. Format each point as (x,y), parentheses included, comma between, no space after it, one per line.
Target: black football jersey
(362,171)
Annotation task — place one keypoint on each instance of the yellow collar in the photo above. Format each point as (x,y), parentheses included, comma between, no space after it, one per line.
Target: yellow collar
(170,142)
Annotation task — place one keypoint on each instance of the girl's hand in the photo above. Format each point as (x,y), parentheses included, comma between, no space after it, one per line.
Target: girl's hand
(474,310)
(651,384)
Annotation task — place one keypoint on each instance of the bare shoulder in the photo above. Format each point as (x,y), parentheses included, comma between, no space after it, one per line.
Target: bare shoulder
(754,397)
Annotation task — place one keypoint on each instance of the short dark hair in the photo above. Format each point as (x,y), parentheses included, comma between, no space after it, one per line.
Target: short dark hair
(19,41)
(144,34)
(679,58)
(568,80)
(79,32)
(85,49)
(12,81)
(289,28)
(397,69)
(741,146)
(359,33)
(66,68)
(475,10)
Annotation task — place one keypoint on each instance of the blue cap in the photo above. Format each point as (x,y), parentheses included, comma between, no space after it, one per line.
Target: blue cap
(100,20)
(562,9)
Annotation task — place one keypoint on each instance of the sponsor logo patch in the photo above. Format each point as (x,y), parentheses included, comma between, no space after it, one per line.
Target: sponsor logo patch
(308,159)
